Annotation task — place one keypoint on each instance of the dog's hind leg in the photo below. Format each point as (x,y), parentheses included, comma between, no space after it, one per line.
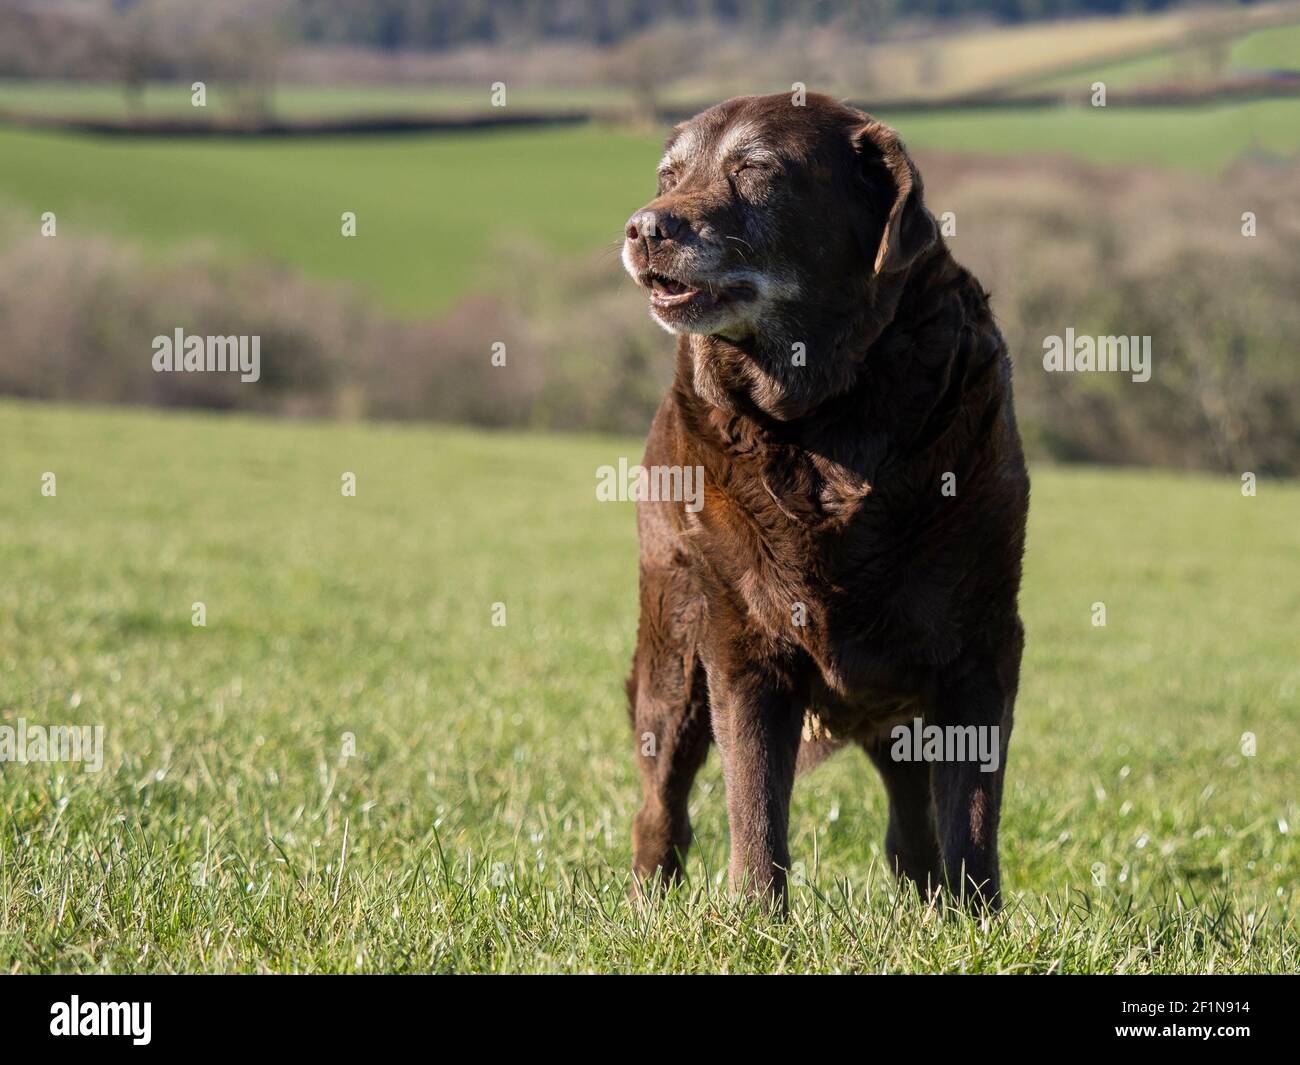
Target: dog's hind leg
(668,693)
(911,841)
(968,793)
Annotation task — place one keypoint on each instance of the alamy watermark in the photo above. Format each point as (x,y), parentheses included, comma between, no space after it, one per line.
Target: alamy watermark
(1086,354)
(919,742)
(655,484)
(25,744)
(212,354)
(77,1018)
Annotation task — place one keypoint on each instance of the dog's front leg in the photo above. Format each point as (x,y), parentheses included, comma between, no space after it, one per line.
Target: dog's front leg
(757,719)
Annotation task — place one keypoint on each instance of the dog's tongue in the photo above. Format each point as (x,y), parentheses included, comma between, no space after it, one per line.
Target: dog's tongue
(667,293)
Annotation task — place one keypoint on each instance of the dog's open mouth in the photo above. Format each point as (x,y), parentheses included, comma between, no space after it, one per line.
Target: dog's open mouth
(668,292)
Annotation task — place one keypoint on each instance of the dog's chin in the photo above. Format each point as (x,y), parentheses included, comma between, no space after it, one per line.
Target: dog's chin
(725,307)
(731,323)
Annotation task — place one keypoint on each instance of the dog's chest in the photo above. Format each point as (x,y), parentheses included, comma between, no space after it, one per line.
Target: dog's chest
(789,537)
(811,556)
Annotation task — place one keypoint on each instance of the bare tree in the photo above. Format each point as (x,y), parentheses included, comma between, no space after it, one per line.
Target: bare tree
(647,64)
(232,43)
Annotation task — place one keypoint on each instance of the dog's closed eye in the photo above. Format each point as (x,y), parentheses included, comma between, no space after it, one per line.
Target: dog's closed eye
(756,166)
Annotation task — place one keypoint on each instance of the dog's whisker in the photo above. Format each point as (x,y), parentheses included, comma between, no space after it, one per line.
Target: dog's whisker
(743,257)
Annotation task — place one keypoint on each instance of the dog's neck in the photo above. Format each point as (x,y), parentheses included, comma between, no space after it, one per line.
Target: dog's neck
(796,367)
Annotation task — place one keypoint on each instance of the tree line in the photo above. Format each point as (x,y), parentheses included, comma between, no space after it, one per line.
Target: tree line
(439,24)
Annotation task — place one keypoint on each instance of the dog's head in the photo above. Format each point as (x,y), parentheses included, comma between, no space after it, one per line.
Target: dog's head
(774,219)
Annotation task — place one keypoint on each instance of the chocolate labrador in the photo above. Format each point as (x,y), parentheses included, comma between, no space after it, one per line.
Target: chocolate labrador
(851,573)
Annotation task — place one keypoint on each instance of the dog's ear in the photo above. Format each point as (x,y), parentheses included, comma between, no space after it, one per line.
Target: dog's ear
(895,194)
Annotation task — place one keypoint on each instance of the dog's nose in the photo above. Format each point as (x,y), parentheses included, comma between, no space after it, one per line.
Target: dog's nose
(653,225)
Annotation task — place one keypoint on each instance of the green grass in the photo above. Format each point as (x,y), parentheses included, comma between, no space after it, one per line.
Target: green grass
(1274,48)
(483,822)
(434,210)
(430,209)
(1196,139)
(106,99)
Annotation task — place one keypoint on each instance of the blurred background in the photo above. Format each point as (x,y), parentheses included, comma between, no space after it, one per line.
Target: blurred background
(491,150)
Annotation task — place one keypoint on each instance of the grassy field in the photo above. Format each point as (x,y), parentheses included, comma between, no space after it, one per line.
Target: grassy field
(433,210)
(1274,48)
(482,823)
(429,208)
(94,99)
(1196,139)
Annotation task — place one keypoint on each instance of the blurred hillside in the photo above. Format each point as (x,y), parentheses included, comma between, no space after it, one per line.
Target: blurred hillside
(637,53)
(1123,220)
(1059,244)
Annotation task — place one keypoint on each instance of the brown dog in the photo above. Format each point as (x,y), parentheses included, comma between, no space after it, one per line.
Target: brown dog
(854,563)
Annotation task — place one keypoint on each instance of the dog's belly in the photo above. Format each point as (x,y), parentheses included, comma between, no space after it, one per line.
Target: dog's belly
(865,714)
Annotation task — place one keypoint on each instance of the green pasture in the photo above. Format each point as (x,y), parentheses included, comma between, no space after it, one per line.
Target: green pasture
(350,768)
(435,211)
(1271,49)
(429,208)
(99,99)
